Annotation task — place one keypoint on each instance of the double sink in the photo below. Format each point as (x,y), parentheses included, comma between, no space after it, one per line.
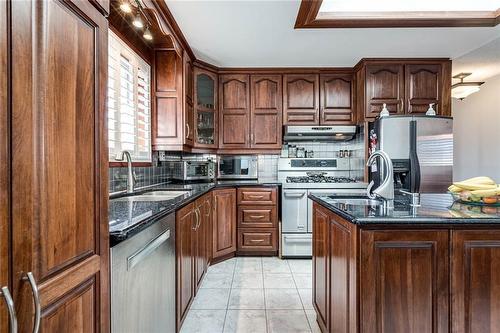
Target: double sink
(355,200)
(160,195)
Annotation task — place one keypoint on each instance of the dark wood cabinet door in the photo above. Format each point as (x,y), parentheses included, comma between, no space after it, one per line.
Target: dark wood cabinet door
(184,253)
(404,281)
(188,102)
(343,315)
(301,99)
(384,84)
(257,240)
(208,215)
(60,164)
(224,222)
(234,123)
(167,115)
(423,86)
(266,111)
(320,248)
(4,167)
(336,99)
(202,215)
(475,283)
(257,217)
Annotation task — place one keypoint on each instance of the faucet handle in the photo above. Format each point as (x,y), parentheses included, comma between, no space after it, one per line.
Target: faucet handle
(120,156)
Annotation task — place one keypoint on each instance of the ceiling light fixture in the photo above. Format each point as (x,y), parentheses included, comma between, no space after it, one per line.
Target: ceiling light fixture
(125,7)
(463,89)
(137,22)
(147,34)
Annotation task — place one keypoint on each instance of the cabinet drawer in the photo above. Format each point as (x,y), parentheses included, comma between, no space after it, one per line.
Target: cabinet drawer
(257,217)
(257,239)
(257,196)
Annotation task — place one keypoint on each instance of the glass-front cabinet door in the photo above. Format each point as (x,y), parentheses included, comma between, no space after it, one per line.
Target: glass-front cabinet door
(206,108)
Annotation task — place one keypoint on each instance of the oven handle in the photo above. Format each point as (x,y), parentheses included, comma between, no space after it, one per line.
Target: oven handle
(294,194)
(140,255)
(298,240)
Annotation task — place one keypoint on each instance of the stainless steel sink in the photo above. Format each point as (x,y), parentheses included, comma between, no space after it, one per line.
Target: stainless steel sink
(357,201)
(154,196)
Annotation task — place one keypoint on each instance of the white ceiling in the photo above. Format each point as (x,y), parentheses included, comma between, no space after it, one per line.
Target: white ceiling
(237,33)
(483,62)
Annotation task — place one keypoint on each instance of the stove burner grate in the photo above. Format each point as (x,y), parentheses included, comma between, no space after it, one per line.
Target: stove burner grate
(319,179)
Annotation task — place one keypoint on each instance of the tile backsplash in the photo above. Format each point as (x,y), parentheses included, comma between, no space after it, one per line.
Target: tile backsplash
(267,164)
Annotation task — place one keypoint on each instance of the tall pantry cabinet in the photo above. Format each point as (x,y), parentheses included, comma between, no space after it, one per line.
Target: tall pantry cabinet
(53,203)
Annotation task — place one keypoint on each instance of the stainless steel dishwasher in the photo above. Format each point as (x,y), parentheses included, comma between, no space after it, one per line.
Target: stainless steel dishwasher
(143,280)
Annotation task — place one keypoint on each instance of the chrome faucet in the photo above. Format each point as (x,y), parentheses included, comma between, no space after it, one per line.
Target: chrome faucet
(386,188)
(130,177)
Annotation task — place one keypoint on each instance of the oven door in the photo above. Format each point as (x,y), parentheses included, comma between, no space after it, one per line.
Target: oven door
(294,211)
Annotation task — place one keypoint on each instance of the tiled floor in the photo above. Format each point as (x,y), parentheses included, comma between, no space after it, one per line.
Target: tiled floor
(254,295)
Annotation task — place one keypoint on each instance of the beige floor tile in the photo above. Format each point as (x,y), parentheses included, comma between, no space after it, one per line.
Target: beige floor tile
(303,281)
(246,299)
(245,321)
(215,280)
(204,321)
(211,299)
(282,299)
(275,265)
(278,280)
(248,280)
(300,265)
(287,321)
(311,317)
(306,298)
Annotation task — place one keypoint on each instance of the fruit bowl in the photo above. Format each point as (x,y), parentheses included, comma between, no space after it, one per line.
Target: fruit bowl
(471,200)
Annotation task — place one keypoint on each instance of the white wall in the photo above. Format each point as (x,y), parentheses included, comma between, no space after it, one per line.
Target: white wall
(477,133)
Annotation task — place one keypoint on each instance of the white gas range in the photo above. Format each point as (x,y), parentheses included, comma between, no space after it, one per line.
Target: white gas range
(300,177)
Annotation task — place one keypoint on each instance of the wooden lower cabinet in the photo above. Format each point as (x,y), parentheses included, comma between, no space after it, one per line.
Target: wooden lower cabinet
(203,214)
(475,282)
(224,222)
(257,240)
(184,226)
(375,278)
(404,281)
(321,222)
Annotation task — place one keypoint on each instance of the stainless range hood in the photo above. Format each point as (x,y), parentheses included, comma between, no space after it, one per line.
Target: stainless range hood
(319,133)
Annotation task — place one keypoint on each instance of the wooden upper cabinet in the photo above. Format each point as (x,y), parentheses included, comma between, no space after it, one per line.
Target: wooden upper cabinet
(384,84)
(475,283)
(224,222)
(336,99)
(301,99)
(266,111)
(60,165)
(168,126)
(188,102)
(423,85)
(206,109)
(404,281)
(234,129)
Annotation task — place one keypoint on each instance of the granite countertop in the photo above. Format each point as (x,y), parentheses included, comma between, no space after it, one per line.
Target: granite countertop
(434,209)
(127,216)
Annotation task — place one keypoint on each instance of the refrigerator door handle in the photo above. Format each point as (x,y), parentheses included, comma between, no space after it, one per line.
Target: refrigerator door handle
(414,162)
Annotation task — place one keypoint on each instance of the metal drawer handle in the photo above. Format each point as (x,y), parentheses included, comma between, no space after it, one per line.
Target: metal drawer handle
(256,240)
(141,254)
(257,216)
(188,130)
(256,196)
(36,300)
(12,310)
(199,218)
(301,226)
(294,195)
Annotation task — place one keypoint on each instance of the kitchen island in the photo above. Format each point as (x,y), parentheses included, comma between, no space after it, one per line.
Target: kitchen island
(433,268)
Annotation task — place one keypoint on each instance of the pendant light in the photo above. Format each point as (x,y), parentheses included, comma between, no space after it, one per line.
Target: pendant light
(137,22)
(125,7)
(463,89)
(147,34)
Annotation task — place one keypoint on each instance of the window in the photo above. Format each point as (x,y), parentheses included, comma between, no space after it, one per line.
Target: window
(129,105)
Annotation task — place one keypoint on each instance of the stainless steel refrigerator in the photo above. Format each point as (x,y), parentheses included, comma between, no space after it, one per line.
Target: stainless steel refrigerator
(421,149)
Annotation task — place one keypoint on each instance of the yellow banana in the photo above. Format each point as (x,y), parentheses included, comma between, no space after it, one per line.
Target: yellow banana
(480,181)
(486,193)
(473,187)
(454,189)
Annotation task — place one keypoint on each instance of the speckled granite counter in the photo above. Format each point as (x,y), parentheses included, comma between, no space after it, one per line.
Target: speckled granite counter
(128,217)
(434,209)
